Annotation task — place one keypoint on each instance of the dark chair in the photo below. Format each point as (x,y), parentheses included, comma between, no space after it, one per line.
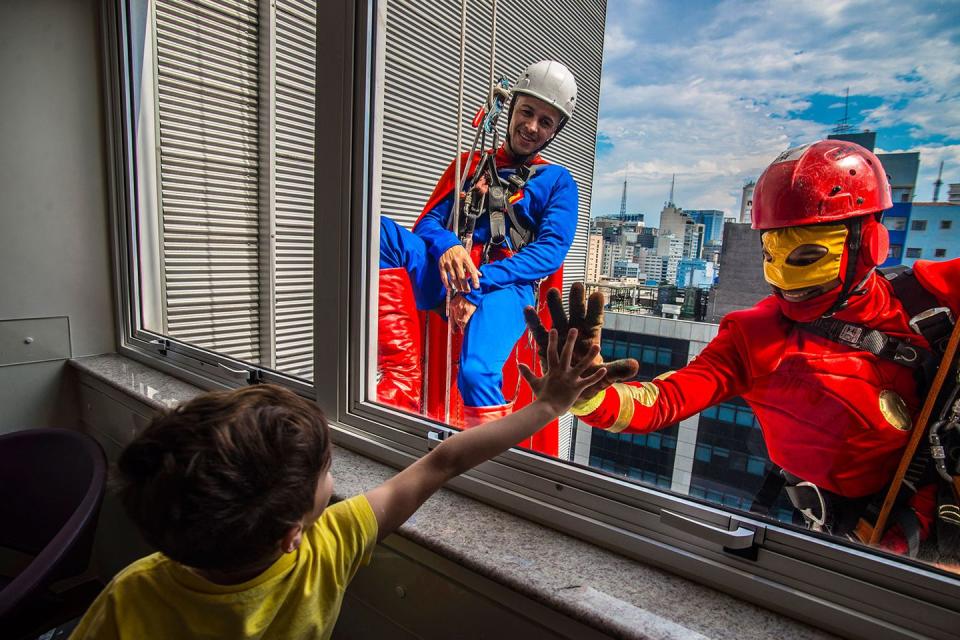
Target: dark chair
(51,487)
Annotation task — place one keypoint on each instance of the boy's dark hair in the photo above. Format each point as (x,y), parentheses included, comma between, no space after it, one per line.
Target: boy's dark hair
(218,481)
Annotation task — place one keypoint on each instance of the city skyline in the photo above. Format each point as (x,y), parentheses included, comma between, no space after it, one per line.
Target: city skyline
(712,91)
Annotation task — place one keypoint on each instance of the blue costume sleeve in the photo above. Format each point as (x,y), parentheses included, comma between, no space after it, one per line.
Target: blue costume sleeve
(432,228)
(544,255)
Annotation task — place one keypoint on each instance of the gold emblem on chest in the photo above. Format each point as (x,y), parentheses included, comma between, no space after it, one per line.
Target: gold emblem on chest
(894,409)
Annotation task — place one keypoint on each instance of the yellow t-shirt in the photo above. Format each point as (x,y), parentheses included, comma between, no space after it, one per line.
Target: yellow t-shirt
(299,596)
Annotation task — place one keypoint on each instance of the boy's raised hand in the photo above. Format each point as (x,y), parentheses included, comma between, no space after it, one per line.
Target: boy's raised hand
(563,381)
(586,316)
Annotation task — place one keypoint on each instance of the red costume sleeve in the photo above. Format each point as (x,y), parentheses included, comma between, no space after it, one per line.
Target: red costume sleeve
(717,374)
(942,279)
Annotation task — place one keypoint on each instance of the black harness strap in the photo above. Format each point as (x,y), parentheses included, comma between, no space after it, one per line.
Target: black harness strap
(876,342)
(497,204)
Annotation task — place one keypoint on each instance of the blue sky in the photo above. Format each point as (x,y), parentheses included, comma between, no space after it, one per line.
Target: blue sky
(713,91)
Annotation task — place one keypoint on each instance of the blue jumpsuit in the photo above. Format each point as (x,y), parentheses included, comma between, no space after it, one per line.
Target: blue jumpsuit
(549,207)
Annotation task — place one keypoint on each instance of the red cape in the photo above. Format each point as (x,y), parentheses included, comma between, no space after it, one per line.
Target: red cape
(547,439)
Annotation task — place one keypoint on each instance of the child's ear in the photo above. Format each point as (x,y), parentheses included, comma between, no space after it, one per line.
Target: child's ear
(292,539)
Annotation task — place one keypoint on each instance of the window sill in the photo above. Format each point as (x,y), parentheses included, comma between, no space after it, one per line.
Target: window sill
(610,593)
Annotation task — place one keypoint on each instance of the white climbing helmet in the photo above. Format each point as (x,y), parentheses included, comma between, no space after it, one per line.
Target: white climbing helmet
(551,82)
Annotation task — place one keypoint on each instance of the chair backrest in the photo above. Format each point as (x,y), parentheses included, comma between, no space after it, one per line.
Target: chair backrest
(51,487)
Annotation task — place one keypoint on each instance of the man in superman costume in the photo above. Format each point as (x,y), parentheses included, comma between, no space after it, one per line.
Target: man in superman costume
(494,281)
(828,362)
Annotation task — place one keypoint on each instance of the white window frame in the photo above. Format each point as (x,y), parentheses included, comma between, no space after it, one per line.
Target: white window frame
(844,589)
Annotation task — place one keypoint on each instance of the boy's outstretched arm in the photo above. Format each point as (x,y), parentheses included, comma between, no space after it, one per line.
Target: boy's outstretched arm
(396,499)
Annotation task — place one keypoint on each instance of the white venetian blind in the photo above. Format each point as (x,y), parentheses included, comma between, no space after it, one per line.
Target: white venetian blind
(295,89)
(207,93)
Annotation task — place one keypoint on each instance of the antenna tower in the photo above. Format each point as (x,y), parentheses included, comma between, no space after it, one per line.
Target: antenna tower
(623,201)
(938,183)
(843,125)
(673,180)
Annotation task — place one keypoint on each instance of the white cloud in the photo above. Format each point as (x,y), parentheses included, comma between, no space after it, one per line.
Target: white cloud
(712,92)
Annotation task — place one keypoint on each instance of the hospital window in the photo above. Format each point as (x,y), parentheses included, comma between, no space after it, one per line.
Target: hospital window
(939,253)
(914,252)
(918,225)
(224,129)
(946,224)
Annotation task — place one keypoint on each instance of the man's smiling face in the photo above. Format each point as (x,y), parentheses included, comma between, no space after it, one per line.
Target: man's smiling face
(534,122)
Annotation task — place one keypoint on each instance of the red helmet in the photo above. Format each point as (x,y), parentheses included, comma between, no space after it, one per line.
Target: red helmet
(826,181)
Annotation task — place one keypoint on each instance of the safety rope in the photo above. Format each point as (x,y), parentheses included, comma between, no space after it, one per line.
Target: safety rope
(454,217)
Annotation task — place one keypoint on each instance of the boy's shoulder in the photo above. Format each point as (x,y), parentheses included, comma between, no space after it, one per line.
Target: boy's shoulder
(149,565)
(144,574)
(343,537)
(352,513)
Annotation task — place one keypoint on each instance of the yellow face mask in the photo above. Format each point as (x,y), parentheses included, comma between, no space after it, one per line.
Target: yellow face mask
(780,243)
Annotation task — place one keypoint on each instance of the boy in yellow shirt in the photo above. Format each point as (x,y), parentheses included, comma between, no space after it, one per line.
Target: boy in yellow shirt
(233,487)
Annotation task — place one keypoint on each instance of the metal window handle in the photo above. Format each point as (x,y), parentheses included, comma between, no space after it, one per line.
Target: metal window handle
(740,538)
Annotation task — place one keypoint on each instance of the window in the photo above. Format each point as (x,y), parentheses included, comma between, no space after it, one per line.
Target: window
(726,413)
(914,252)
(939,253)
(946,224)
(918,225)
(902,194)
(704,453)
(895,251)
(222,216)
(756,466)
(231,273)
(895,223)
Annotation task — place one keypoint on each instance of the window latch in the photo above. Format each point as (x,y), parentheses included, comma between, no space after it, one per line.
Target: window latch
(740,539)
(160,345)
(436,435)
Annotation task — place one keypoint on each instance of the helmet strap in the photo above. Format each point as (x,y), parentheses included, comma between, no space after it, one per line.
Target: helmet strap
(853,255)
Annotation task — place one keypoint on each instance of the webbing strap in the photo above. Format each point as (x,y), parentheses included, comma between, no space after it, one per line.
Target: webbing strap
(865,339)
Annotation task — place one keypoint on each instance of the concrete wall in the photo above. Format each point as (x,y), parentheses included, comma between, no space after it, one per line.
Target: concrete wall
(54,238)
(741,282)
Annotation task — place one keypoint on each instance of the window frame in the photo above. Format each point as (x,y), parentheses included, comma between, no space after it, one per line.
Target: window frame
(848,590)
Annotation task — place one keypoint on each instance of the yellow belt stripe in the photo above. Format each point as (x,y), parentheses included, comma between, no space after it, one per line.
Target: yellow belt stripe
(588,406)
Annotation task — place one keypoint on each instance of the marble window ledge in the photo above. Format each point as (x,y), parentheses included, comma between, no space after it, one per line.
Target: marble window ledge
(611,593)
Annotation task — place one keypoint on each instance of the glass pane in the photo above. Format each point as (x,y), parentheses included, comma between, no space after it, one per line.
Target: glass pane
(224,148)
(619,350)
(704,453)
(521,226)
(664,357)
(669,269)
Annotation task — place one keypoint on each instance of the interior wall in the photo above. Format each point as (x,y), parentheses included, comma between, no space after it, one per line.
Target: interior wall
(54,236)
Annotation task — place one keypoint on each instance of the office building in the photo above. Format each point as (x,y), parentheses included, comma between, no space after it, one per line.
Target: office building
(933,232)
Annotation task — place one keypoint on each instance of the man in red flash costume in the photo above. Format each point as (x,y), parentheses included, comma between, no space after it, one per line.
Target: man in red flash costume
(835,418)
